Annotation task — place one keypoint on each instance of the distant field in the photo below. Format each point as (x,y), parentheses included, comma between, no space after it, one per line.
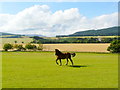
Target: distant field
(83,37)
(75,47)
(94,37)
(39,70)
(93,47)
(12,40)
(5,36)
(88,47)
(28,40)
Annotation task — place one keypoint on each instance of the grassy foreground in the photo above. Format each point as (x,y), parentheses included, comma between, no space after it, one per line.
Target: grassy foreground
(0,70)
(39,70)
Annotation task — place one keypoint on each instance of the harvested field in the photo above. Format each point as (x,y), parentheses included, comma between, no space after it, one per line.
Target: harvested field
(77,47)
(93,47)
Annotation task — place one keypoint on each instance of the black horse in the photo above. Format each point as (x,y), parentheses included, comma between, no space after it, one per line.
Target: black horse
(61,55)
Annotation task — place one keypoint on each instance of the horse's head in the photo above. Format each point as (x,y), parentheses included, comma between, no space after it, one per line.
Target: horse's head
(57,52)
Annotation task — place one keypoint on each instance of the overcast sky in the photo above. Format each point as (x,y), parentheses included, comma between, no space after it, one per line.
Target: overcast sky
(56,18)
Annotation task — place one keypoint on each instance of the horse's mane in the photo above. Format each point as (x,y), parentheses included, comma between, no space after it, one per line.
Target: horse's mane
(57,52)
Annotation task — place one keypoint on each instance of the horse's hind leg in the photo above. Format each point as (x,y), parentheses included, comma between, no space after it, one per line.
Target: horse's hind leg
(57,60)
(71,61)
(60,62)
(67,62)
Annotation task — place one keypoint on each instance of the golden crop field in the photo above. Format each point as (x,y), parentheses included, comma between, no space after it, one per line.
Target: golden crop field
(75,47)
(78,47)
(88,47)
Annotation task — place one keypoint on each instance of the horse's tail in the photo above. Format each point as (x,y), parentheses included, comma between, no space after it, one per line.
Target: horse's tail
(73,54)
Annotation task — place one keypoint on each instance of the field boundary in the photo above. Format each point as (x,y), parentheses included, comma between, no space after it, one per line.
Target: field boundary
(54,51)
(84,47)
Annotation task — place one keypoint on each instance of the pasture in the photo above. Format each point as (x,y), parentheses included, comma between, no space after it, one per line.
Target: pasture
(0,66)
(39,70)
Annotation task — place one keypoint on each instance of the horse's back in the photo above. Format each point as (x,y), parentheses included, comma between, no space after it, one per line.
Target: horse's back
(64,56)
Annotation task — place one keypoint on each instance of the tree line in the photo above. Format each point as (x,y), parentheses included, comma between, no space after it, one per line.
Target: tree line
(39,40)
(114,47)
(20,47)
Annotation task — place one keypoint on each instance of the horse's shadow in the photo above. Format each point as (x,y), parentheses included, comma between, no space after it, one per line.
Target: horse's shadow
(77,66)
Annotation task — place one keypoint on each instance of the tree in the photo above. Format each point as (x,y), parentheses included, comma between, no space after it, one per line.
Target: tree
(19,47)
(40,47)
(30,47)
(7,46)
(34,47)
(15,41)
(15,46)
(37,37)
(114,47)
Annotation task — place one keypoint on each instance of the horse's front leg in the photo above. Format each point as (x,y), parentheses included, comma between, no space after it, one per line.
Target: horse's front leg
(67,62)
(60,62)
(57,60)
(71,61)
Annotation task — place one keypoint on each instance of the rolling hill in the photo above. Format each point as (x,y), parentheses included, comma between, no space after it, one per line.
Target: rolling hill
(9,35)
(2,34)
(31,35)
(112,31)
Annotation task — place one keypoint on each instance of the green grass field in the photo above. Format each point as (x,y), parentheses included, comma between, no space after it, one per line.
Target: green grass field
(39,70)
(0,70)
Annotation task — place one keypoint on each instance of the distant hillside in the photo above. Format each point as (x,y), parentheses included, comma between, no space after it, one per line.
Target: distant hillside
(31,35)
(1,34)
(113,31)
(9,35)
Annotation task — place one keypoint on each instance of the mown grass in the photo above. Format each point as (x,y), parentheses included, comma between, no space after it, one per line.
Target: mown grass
(0,70)
(39,70)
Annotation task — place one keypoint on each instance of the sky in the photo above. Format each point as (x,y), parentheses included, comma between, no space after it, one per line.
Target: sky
(56,18)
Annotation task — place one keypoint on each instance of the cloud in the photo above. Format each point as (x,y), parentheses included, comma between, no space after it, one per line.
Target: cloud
(39,19)
(104,21)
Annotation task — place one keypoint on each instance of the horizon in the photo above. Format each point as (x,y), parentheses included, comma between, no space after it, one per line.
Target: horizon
(56,35)
(57,18)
